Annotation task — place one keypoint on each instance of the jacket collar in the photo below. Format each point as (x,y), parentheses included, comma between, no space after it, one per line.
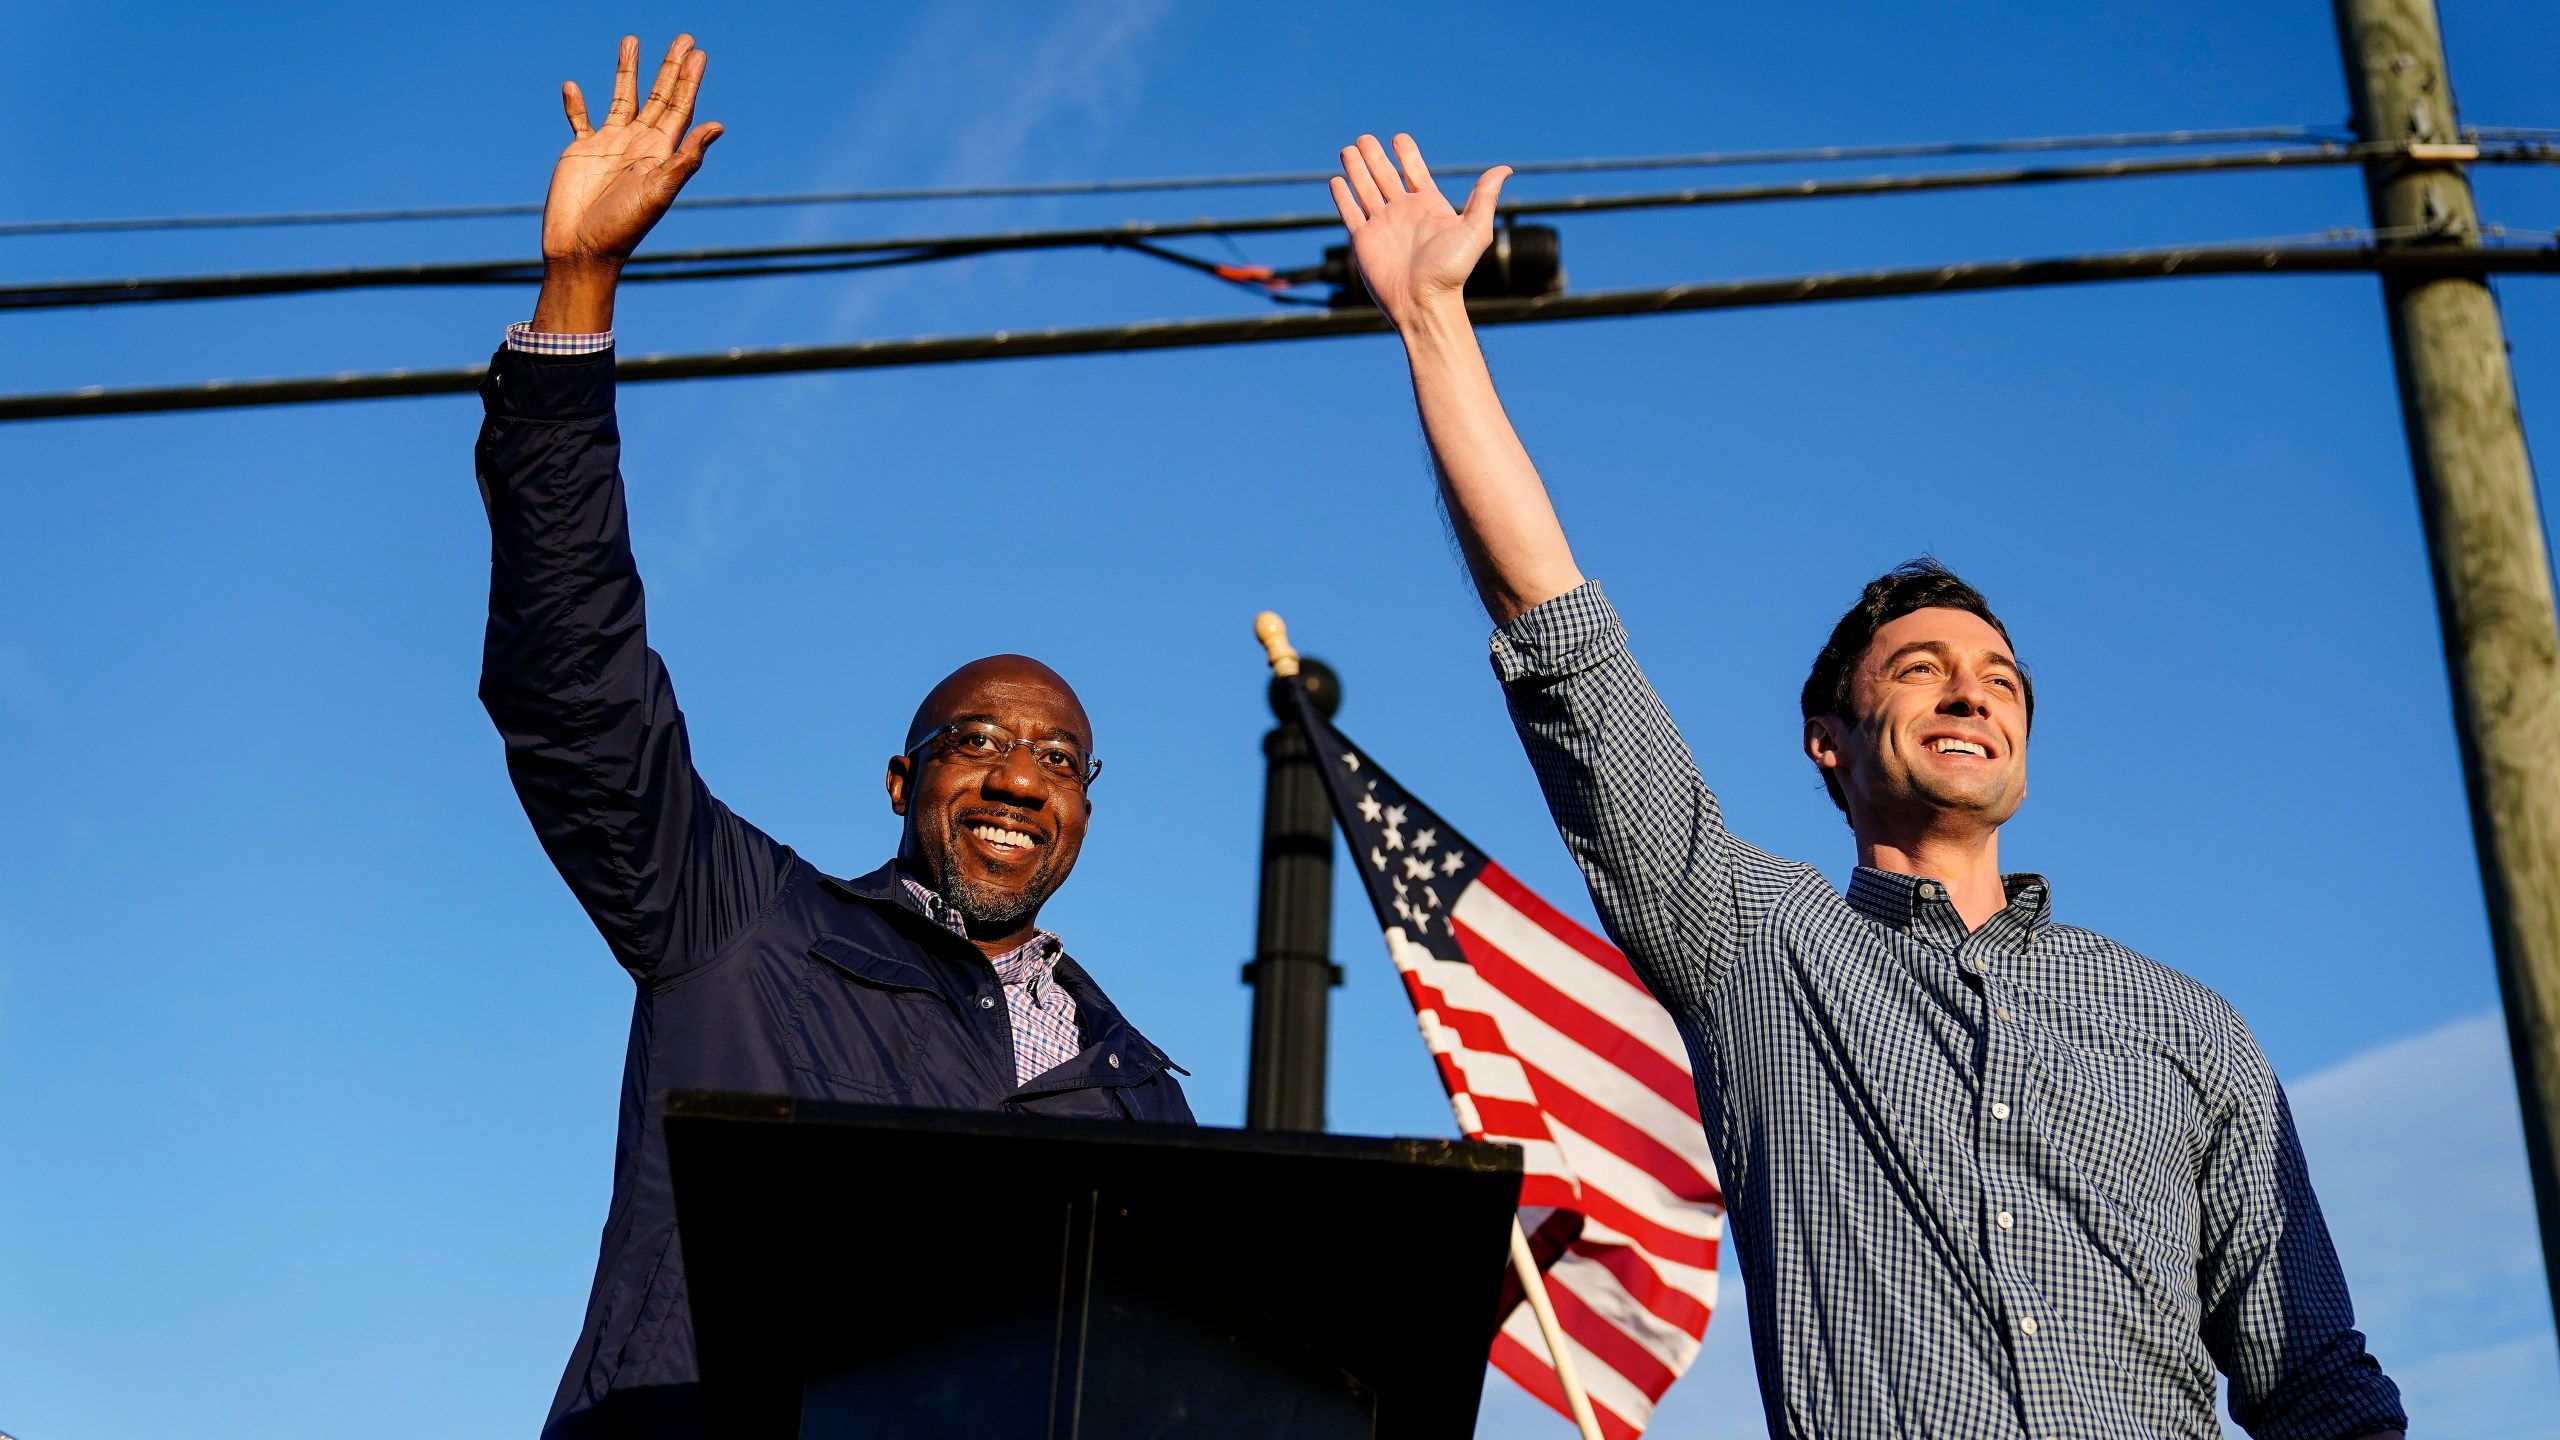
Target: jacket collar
(1111,1038)
(886,889)
(1114,1051)
(892,886)
(1114,1054)
(934,961)
(880,887)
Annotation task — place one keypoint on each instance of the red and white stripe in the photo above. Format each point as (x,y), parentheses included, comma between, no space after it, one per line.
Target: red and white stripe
(1548,1041)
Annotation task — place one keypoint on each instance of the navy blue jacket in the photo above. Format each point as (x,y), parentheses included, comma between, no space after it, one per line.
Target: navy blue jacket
(755,972)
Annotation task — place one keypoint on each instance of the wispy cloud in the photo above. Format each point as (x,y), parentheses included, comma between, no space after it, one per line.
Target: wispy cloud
(2418,1155)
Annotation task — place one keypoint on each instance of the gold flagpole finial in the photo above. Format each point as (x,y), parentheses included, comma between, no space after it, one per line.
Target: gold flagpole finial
(1274,636)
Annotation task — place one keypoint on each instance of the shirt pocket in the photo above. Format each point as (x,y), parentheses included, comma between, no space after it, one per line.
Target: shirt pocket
(2125,1116)
(859,1020)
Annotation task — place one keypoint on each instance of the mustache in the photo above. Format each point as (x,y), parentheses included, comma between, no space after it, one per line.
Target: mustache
(1008,814)
(985,904)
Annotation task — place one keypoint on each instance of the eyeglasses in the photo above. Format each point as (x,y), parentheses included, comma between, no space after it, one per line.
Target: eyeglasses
(977,742)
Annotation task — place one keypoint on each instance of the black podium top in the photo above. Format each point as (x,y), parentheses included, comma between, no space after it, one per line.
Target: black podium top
(858,1270)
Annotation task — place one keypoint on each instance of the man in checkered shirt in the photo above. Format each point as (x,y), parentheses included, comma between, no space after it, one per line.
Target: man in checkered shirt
(1990,1176)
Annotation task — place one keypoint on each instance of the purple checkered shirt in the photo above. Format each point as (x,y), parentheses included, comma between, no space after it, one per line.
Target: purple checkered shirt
(1043,1015)
(522,336)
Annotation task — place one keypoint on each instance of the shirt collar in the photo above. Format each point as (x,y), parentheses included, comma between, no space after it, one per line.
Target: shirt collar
(1029,964)
(1901,900)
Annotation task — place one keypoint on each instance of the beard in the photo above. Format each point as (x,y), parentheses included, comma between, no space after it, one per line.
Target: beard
(981,903)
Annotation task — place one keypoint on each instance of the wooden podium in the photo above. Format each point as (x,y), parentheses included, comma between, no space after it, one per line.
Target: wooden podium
(892,1273)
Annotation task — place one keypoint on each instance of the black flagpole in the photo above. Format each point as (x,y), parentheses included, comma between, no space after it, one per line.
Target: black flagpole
(1292,967)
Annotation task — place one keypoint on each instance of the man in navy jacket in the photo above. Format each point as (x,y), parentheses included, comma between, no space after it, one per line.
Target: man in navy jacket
(926,982)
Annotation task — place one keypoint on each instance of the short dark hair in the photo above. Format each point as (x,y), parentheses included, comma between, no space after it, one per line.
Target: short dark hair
(1922,584)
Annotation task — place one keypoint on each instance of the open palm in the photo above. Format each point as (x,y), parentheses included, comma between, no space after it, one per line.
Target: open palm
(1412,247)
(615,179)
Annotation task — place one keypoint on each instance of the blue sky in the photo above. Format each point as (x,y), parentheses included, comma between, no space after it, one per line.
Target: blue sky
(310,1062)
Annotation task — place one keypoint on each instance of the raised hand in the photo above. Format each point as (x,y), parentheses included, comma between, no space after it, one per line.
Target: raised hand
(1415,254)
(615,180)
(1412,248)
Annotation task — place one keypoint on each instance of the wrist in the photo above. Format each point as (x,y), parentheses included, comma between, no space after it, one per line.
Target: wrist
(1440,310)
(582,270)
(577,295)
(1436,327)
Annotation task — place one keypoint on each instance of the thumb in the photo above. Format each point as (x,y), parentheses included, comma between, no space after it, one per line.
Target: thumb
(688,157)
(1482,200)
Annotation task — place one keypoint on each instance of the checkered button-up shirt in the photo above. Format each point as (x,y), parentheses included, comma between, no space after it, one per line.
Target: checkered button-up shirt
(2012,1182)
(1042,1015)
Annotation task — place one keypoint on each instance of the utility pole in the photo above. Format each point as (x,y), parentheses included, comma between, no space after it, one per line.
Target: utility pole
(2484,539)
(1292,966)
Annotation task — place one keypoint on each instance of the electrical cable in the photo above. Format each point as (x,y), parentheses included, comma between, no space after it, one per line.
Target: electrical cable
(2398,259)
(831,256)
(2269,134)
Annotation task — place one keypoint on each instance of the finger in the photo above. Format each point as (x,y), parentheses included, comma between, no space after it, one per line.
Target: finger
(1382,171)
(663,88)
(575,102)
(688,157)
(1352,219)
(1363,184)
(678,112)
(626,82)
(1416,174)
(1483,200)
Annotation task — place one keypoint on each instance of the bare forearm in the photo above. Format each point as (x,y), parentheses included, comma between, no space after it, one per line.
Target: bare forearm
(1514,545)
(577,297)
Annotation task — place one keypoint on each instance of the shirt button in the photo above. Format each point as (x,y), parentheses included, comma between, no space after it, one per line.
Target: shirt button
(1928,890)
(1111,1060)
(2003,1013)
(1999,1111)
(2027,1323)
(2004,1220)
(1982,964)
(986,1002)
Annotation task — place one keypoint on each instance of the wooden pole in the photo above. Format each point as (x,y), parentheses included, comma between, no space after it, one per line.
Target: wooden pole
(1534,1281)
(2484,538)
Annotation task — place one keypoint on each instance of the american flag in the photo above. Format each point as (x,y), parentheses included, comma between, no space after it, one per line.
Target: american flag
(1545,1039)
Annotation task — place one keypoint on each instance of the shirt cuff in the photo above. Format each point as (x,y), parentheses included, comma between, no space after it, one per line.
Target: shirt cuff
(522,336)
(1572,632)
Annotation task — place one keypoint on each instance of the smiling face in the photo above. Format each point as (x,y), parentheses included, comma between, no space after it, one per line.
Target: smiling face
(993,838)
(1935,729)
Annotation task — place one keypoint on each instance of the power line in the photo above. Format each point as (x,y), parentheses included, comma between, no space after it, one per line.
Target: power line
(2269,134)
(2253,259)
(831,256)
